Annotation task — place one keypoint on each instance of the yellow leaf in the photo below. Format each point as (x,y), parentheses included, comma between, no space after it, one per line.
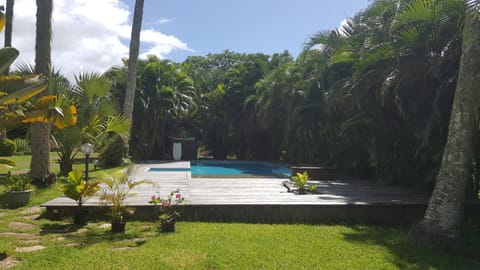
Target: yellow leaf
(60,117)
(45,101)
(23,94)
(3,20)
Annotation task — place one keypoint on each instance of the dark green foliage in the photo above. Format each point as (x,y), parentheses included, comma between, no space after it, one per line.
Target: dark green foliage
(16,182)
(373,98)
(23,146)
(112,153)
(7,147)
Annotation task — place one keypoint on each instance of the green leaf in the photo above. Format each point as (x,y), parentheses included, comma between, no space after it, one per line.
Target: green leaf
(7,56)
(7,162)
(24,94)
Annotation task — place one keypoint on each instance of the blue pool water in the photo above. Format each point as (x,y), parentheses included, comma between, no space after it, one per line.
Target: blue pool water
(237,168)
(206,168)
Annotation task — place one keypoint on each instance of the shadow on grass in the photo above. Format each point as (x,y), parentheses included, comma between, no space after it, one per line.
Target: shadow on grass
(408,254)
(93,234)
(3,202)
(58,228)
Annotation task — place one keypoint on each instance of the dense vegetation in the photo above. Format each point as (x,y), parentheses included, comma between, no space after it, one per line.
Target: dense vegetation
(371,98)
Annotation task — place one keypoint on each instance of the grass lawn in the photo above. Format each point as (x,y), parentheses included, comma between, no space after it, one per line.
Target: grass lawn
(23,164)
(212,245)
(221,246)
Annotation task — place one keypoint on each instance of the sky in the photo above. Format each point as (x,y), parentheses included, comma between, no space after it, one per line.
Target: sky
(92,35)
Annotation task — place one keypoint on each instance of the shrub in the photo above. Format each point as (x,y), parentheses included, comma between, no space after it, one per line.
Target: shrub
(7,147)
(112,153)
(23,146)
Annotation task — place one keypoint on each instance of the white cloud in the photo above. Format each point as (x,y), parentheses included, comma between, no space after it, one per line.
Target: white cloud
(162,21)
(87,35)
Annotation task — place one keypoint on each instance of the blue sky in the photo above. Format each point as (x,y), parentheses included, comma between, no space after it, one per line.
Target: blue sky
(94,35)
(249,26)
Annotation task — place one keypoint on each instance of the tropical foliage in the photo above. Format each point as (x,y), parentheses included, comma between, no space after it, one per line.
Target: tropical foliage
(116,188)
(16,108)
(372,98)
(98,117)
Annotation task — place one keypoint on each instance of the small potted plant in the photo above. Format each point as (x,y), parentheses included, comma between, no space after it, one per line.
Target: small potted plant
(18,188)
(167,209)
(79,190)
(299,181)
(116,188)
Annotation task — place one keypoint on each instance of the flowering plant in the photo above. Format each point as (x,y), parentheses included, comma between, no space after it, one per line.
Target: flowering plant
(168,208)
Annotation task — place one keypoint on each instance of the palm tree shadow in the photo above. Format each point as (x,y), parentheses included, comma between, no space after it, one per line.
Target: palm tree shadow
(84,236)
(407,254)
(58,228)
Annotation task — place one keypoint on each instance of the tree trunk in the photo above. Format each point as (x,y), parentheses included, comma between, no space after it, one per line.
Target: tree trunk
(8,41)
(444,214)
(8,26)
(132,66)
(40,132)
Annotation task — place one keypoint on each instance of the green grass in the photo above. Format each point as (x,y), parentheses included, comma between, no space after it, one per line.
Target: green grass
(218,246)
(229,246)
(23,164)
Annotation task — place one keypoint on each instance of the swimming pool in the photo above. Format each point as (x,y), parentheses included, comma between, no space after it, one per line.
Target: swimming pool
(201,168)
(211,168)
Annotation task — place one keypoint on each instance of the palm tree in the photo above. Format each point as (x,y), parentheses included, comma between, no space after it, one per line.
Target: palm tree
(167,97)
(132,65)
(40,132)
(98,117)
(444,214)
(8,25)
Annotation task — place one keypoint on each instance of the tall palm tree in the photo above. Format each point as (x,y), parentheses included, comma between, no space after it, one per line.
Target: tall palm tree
(444,214)
(132,64)
(40,132)
(167,97)
(8,25)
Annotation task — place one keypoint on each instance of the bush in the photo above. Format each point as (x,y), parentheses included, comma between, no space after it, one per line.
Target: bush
(7,147)
(112,153)
(23,146)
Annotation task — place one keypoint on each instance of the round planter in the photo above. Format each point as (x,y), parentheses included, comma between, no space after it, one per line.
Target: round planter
(118,226)
(168,225)
(17,199)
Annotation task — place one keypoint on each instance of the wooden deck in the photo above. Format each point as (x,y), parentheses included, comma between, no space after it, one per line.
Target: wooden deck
(267,200)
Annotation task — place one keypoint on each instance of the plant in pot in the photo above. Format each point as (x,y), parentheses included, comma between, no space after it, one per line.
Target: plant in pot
(116,188)
(18,189)
(300,180)
(79,190)
(167,209)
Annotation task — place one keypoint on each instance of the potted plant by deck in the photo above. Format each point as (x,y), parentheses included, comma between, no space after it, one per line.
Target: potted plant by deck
(167,209)
(116,188)
(18,189)
(78,189)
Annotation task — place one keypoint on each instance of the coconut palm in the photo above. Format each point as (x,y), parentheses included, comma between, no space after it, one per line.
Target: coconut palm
(132,64)
(8,25)
(444,214)
(40,132)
